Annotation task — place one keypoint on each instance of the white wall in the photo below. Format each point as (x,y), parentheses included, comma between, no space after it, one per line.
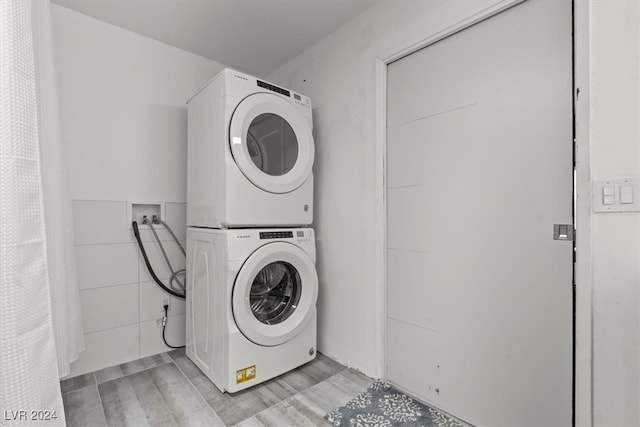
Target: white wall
(123,111)
(615,237)
(339,75)
(123,101)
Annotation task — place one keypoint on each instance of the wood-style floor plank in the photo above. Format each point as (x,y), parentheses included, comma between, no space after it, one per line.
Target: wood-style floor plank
(82,407)
(76,383)
(108,374)
(309,406)
(159,396)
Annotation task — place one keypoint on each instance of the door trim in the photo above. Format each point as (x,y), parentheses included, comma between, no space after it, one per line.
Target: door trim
(583,396)
(583,336)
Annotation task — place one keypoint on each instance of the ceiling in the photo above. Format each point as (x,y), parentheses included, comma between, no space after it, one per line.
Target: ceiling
(254,36)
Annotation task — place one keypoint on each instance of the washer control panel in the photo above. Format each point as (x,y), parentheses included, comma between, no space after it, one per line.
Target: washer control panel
(303,237)
(241,242)
(276,235)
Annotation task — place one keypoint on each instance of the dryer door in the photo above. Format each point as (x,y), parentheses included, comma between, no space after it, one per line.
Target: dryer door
(271,143)
(275,293)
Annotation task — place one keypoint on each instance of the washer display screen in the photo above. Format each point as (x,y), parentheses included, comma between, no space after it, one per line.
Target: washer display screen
(275,292)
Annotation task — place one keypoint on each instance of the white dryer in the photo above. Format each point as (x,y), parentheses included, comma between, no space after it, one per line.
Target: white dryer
(251,303)
(250,155)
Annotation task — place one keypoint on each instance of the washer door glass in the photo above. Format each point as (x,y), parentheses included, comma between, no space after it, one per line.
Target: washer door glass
(272,144)
(275,293)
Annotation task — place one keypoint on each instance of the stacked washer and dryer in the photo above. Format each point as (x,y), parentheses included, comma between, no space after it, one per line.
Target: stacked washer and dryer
(251,279)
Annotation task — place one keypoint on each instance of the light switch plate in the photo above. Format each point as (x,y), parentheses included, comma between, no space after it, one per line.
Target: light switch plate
(626,194)
(603,201)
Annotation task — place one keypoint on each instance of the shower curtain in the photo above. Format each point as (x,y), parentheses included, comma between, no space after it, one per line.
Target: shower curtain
(65,296)
(29,279)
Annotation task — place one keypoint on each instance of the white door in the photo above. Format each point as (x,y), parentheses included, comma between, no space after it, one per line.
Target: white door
(275,293)
(480,168)
(271,143)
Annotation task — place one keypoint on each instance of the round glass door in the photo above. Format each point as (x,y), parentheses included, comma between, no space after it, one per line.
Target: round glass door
(275,293)
(271,143)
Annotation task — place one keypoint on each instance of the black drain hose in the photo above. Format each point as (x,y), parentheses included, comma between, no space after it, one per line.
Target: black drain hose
(136,233)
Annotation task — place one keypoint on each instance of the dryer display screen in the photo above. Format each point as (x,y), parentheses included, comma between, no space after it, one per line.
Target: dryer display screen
(274,88)
(276,234)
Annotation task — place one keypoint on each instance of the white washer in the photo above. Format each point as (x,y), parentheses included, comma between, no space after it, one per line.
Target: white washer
(250,155)
(251,303)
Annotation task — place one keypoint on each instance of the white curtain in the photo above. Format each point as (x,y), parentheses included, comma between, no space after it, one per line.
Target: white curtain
(28,362)
(65,296)
(29,374)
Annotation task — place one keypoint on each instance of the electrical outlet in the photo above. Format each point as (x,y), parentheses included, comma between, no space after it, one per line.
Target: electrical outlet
(165,300)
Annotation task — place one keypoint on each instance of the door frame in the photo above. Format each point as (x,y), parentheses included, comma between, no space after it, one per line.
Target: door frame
(582,275)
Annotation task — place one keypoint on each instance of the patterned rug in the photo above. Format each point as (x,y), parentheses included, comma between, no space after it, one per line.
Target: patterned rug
(383,406)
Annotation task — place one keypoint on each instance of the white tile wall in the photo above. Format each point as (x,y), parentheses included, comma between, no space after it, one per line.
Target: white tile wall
(109,307)
(108,348)
(106,265)
(119,300)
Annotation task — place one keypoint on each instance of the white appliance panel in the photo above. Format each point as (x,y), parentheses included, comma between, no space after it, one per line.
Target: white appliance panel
(231,187)
(225,354)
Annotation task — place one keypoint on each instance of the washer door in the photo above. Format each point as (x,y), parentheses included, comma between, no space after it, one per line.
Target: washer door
(275,293)
(271,143)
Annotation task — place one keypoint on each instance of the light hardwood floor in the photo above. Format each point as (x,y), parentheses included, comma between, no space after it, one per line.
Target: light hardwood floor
(168,389)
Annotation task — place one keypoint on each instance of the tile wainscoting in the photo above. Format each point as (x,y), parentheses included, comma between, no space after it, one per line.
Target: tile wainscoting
(120,302)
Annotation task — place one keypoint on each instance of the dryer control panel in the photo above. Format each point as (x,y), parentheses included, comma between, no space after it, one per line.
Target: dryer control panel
(298,99)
